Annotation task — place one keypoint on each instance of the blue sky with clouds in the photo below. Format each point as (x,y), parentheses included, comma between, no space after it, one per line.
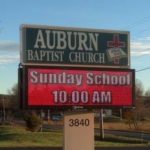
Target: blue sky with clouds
(128,15)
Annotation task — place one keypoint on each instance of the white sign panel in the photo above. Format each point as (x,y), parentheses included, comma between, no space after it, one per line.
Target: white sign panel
(79,132)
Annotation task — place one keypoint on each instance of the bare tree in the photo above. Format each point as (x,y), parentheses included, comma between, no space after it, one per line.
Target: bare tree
(136,114)
(14,100)
(139,90)
(147,93)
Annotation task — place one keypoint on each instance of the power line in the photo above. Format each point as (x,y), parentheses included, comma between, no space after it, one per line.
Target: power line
(133,25)
(141,21)
(138,22)
(143,69)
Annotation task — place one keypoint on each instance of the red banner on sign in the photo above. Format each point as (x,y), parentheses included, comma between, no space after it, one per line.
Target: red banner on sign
(75,87)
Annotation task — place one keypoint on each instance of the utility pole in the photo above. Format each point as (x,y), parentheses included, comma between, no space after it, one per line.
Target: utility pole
(120,113)
(41,116)
(48,114)
(101,124)
(4,113)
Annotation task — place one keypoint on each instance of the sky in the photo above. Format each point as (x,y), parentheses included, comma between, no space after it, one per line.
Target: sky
(127,15)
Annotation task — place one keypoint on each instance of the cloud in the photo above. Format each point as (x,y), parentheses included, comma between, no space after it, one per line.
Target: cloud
(9,46)
(9,52)
(147,38)
(9,59)
(140,48)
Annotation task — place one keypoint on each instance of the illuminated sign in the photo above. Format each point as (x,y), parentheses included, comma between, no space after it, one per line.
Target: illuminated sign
(75,87)
(77,47)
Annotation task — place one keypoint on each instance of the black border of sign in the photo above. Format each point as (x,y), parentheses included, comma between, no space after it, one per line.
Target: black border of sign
(23,87)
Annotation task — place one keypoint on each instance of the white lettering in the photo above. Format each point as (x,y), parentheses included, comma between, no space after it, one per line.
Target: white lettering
(72,40)
(39,40)
(82,41)
(94,41)
(61,43)
(101,97)
(51,42)
(34,77)
(60,40)
(108,79)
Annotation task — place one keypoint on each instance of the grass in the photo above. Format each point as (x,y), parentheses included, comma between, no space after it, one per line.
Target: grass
(19,137)
(113,140)
(16,136)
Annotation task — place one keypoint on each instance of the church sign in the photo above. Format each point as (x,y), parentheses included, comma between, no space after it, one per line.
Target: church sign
(51,86)
(62,46)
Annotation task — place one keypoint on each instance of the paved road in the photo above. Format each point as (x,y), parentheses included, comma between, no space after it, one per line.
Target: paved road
(60,148)
(140,135)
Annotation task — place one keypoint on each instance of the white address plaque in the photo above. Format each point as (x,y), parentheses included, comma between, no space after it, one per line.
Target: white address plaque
(79,131)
